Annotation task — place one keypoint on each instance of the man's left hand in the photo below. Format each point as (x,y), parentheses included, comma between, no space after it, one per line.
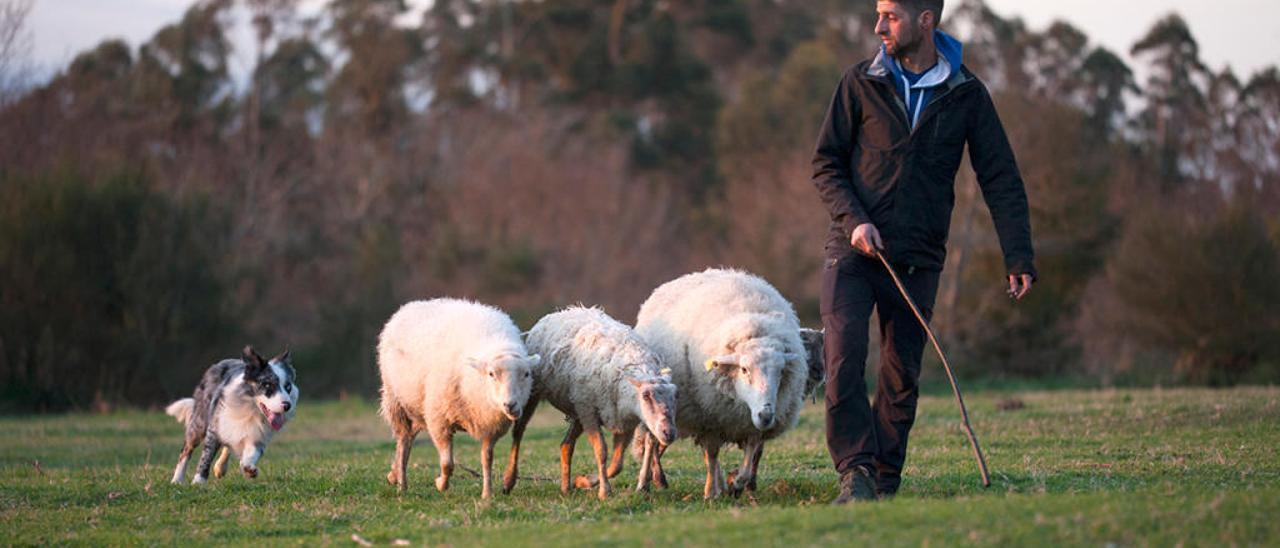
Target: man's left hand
(1019,285)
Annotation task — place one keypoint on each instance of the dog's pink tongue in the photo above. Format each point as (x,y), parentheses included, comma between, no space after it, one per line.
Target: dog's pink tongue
(277,420)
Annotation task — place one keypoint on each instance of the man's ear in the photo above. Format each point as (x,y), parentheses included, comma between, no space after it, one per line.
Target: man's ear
(928,20)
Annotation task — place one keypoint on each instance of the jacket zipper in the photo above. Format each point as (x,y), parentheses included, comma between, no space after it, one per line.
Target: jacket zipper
(928,109)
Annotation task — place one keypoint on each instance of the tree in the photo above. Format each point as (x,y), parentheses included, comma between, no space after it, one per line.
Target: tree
(183,68)
(368,91)
(1176,117)
(15,48)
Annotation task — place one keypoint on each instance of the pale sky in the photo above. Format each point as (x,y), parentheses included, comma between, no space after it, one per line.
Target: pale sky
(1241,33)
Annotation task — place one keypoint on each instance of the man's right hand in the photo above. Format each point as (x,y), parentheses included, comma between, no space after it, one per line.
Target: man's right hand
(866,239)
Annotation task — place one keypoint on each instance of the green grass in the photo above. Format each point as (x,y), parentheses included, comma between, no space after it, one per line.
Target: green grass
(1124,467)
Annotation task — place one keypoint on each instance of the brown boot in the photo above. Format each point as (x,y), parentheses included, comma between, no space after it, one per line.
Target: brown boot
(856,485)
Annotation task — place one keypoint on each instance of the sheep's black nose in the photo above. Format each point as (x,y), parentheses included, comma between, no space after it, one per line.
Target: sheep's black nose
(287,406)
(513,409)
(766,418)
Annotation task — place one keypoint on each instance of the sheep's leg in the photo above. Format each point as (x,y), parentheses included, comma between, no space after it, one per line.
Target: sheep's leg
(659,475)
(642,482)
(402,428)
(444,446)
(621,441)
(486,468)
(711,458)
(566,454)
(601,452)
(220,465)
(517,434)
(743,479)
(755,467)
(722,486)
(399,475)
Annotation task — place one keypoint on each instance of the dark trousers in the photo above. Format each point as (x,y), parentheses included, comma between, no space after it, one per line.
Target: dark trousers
(860,432)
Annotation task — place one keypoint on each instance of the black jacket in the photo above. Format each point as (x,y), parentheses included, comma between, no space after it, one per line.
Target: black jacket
(869,167)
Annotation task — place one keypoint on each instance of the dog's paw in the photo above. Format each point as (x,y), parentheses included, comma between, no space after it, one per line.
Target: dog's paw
(250,471)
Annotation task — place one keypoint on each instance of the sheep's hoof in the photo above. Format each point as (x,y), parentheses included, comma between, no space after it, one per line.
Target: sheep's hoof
(660,482)
(442,484)
(391,477)
(509,482)
(250,471)
(584,482)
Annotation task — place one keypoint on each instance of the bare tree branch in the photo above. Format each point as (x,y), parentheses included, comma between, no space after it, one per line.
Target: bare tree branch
(15,47)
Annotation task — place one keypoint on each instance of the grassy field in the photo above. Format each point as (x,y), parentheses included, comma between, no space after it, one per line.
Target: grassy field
(1131,467)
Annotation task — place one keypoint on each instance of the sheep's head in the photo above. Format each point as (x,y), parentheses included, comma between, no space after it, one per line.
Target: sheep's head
(755,368)
(508,380)
(656,400)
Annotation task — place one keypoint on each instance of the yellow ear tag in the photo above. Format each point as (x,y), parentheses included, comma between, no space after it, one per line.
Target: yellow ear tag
(710,364)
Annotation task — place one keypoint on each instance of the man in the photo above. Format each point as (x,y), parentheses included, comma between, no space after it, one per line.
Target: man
(885,169)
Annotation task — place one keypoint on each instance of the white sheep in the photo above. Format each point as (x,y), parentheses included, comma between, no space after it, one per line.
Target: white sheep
(733,343)
(450,365)
(602,377)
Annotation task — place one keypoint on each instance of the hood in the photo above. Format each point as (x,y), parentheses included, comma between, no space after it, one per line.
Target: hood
(950,57)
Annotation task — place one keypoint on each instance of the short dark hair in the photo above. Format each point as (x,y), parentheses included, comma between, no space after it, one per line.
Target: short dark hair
(916,7)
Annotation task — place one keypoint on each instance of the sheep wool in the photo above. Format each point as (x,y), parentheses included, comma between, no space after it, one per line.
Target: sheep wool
(733,344)
(603,377)
(448,365)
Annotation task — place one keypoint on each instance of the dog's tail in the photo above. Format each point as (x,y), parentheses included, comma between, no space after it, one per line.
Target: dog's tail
(181,409)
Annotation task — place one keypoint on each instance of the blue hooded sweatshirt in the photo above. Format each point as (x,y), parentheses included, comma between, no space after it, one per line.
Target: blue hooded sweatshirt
(918,91)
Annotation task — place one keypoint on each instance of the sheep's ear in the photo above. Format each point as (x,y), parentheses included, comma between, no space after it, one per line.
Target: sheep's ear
(475,364)
(534,360)
(720,361)
(635,382)
(793,357)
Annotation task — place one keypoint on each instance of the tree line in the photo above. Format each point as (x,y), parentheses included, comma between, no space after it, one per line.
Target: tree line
(157,211)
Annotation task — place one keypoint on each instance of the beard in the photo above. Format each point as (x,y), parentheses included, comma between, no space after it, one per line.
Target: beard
(904,44)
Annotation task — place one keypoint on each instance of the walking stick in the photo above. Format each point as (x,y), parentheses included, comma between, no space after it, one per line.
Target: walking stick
(964,413)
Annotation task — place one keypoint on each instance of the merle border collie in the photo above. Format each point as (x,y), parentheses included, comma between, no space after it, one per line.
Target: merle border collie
(239,404)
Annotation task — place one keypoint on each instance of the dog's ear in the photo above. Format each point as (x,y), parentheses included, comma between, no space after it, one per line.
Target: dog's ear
(283,358)
(252,361)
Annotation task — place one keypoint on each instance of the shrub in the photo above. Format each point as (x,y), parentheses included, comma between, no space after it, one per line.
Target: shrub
(103,287)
